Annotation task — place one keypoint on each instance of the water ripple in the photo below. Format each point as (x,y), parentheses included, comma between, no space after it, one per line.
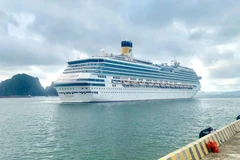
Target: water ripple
(43,128)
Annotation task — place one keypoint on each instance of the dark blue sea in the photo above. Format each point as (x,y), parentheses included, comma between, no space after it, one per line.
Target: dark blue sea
(43,128)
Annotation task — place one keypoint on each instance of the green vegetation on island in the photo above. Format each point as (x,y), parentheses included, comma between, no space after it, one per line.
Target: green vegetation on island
(25,85)
(50,91)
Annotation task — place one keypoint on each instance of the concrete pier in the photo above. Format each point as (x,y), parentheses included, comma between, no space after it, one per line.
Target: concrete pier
(227,139)
(229,151)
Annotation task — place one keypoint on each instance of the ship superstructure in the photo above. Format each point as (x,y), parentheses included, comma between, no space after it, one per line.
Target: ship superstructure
(109,77)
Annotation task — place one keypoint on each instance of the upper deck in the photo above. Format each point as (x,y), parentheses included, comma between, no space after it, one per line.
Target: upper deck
(130,61)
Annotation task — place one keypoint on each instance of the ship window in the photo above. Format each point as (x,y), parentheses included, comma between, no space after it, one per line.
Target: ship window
(116,77)
(101,76)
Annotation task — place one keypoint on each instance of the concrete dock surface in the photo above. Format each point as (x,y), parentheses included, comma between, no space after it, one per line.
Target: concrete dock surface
(230,150)
(227,138)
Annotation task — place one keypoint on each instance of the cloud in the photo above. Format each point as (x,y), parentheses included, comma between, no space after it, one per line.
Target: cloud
(46,74)
(226,70)
(5,20)
(214,54)
(47,33)
(28,52)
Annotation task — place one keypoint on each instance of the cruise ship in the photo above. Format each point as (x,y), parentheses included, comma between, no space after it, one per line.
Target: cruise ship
(108,77)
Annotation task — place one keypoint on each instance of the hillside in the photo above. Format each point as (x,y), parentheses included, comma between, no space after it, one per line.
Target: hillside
(21,85)
(50,91)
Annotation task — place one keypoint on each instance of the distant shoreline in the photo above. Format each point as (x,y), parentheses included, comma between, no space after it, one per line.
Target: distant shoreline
(27,96)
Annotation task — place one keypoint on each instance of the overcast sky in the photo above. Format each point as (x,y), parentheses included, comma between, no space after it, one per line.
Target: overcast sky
(38,36)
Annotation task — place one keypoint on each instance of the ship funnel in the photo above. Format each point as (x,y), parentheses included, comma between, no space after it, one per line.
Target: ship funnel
(126,47)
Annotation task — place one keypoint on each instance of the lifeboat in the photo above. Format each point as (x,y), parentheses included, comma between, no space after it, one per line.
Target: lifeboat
(150,84)
(141,83)
(162,85)
(126,82)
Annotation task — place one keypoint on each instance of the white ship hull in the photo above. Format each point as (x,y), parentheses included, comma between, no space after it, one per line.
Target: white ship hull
(111,78)
(127,95)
